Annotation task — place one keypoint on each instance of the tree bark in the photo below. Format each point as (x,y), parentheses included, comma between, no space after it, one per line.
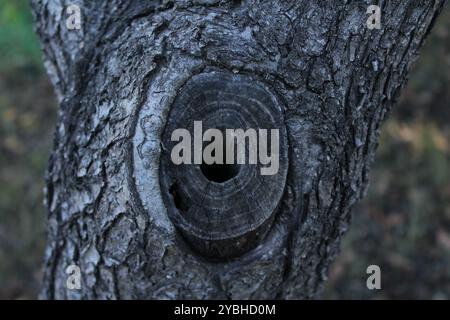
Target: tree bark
(326,80)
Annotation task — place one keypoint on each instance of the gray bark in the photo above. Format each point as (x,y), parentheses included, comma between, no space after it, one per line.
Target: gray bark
(109,190)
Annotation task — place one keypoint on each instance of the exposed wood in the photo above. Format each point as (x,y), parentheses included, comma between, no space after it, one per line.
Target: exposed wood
(221,219)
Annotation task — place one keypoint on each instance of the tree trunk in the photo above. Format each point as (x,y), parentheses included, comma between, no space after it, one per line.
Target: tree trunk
(135,223)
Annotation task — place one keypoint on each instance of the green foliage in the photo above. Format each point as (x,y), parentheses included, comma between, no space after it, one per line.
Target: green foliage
(18,43)
(27,110)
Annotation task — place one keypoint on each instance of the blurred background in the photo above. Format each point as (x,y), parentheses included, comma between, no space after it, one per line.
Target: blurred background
(403,225)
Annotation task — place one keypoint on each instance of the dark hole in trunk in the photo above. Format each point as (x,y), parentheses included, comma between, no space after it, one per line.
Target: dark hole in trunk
(179,203)
(220,172)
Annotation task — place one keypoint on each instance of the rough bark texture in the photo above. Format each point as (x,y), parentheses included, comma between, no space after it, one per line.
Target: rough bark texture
(116,79)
